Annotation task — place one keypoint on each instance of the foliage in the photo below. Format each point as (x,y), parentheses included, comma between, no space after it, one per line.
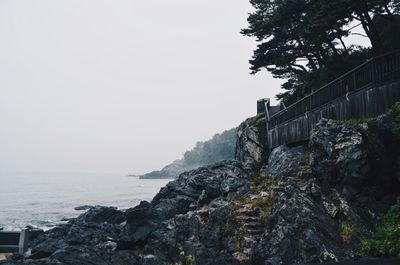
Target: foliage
(395,113)
(302,41)
(220,147)
(258,120)
(229,231)
(261,182)
(184,259)
(304,170)
(266,204)
(347,231)
(355,122)
(386,240)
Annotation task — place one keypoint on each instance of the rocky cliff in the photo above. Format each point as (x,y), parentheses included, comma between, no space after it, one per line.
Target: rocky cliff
(306,204)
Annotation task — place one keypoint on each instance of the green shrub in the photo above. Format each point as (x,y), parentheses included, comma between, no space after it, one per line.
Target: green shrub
(234,234)
(262,182)
(386,240)
(354,122)
(347,231)
(257,119)
(266,204)
(184,259)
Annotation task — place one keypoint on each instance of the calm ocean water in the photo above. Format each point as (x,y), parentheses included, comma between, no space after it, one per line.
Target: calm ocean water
(45,199)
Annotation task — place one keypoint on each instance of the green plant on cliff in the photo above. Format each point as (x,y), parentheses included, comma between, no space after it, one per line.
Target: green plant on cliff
(184,259)
(356,122)
(261,182)
(258,121)
(347,231)
(234,234)
(266,204)
(386,240)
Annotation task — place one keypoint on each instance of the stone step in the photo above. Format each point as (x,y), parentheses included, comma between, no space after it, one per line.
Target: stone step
(256,226)
(247,251)
(247,218)
(253,231)
(240,256)
(248,239)
(249,213)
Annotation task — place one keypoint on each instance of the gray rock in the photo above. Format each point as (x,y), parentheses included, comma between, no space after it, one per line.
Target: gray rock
(338,153)
(285,162)
(251,142)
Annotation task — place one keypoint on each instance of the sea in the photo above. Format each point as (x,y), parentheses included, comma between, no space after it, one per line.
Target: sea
(44,200)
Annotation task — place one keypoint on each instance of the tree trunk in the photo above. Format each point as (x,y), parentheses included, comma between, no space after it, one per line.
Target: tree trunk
(344,46)
(369,30)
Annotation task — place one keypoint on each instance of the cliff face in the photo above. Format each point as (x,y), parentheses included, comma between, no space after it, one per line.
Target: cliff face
(250,142)
(306,204)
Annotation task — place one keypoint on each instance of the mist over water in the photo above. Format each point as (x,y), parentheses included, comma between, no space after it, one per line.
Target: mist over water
(45,199)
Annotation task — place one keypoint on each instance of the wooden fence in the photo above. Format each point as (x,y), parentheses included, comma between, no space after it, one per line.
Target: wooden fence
(374,71)
(366,91)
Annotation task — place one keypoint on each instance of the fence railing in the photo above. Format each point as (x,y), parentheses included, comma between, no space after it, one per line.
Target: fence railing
(374,71)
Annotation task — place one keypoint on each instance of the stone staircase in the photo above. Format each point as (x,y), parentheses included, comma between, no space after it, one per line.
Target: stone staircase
(251,229)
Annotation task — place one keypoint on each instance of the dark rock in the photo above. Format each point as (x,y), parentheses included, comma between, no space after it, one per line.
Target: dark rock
(47,247)
(83,208)
(101,214)
(35,233)
(192,190)
(141,221)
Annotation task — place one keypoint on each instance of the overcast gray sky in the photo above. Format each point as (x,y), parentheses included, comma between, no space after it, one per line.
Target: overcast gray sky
(120,85)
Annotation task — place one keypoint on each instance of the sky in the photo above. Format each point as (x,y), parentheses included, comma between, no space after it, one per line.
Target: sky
(121,85)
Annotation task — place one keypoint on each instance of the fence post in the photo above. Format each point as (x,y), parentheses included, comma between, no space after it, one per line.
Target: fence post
(23,241)
(374,69)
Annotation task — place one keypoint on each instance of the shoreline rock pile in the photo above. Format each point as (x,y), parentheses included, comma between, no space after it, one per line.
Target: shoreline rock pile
(300,205)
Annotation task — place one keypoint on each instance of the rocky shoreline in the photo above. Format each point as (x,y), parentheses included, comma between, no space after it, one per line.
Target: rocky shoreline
(307,204)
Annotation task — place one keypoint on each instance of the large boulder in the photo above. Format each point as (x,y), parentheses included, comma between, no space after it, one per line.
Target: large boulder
(285,162)
(338,153)
(102,214)
(141,221)
(90,237)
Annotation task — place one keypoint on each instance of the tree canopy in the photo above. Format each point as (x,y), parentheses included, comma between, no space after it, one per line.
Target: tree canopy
(303,41)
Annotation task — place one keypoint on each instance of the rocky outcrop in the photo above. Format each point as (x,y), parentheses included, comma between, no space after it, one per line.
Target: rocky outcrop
(251,142)
(355,154)
(306,204)
(188,212)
